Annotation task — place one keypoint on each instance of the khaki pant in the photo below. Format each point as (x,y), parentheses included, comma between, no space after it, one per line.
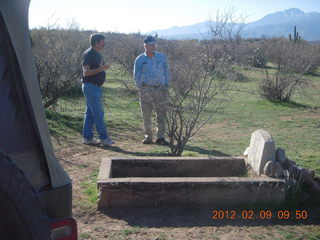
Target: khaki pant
(153,98)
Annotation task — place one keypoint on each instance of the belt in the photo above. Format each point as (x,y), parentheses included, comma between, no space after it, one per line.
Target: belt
(155,86)
(92,83)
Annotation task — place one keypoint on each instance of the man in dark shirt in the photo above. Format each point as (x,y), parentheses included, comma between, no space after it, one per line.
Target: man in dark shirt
(93,76)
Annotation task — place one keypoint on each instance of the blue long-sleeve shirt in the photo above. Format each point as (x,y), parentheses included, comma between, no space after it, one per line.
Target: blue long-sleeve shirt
(151,71)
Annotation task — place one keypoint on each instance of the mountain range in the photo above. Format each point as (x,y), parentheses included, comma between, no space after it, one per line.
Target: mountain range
(278,24)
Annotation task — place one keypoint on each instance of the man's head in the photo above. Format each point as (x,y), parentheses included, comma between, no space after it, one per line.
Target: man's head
(150,44)
(97,41)
(150,40)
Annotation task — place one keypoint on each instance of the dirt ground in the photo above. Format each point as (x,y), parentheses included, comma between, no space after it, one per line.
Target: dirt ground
(81,161)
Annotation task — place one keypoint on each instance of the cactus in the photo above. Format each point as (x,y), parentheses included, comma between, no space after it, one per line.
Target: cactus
(258,59)
(296,36)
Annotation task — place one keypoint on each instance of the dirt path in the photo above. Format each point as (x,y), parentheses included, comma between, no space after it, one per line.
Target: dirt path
(82,161)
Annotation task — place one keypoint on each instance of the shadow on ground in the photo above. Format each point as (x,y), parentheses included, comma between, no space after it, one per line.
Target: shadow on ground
(293,104)
(164,152)
(178,217)
(131,153)
(206,151)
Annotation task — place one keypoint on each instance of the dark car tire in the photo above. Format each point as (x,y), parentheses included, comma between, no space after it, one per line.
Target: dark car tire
(21,214)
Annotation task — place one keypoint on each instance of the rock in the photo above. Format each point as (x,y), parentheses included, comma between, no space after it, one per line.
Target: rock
(278,170)
(246,152)
(304,198)
(262,149)
(312,174)
(288,163)
(306,176)
(267,170)
(273,169)
(281,155)
(317,179)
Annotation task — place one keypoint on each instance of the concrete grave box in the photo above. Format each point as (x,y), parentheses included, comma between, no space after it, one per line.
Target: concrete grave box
(183,181)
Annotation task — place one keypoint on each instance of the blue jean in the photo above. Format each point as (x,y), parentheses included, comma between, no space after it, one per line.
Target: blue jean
(94,112)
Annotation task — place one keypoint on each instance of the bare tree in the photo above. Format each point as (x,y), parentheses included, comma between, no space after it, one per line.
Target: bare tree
(202,75)
(122,50)
(57,54)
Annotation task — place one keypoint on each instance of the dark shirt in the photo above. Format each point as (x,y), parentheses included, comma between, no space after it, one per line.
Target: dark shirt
(93,59)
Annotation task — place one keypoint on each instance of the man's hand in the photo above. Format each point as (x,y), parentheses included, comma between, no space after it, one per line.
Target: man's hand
(89,72)
(104,67)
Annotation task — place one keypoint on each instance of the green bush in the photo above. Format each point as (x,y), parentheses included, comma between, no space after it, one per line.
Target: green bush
(258,59)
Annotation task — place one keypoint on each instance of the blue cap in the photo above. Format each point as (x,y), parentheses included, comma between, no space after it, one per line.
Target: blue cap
(150,40)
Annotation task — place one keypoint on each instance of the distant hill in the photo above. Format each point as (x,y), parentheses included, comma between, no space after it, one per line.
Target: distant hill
(272,25)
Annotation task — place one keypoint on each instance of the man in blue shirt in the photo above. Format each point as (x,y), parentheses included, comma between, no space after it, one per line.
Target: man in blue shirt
(93,76)
(152,77)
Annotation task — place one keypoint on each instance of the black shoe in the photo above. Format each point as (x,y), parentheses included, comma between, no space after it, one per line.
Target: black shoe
(162,141)
(147,141)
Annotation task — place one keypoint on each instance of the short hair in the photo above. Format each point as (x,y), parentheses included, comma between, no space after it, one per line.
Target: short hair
(96,38)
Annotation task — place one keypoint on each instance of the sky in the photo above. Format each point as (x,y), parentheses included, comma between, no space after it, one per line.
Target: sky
(128,16)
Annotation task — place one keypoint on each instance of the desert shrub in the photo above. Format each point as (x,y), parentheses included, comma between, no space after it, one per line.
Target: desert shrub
(281,85)
(292,62)
(121,50)
(58,55)
(300,58)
